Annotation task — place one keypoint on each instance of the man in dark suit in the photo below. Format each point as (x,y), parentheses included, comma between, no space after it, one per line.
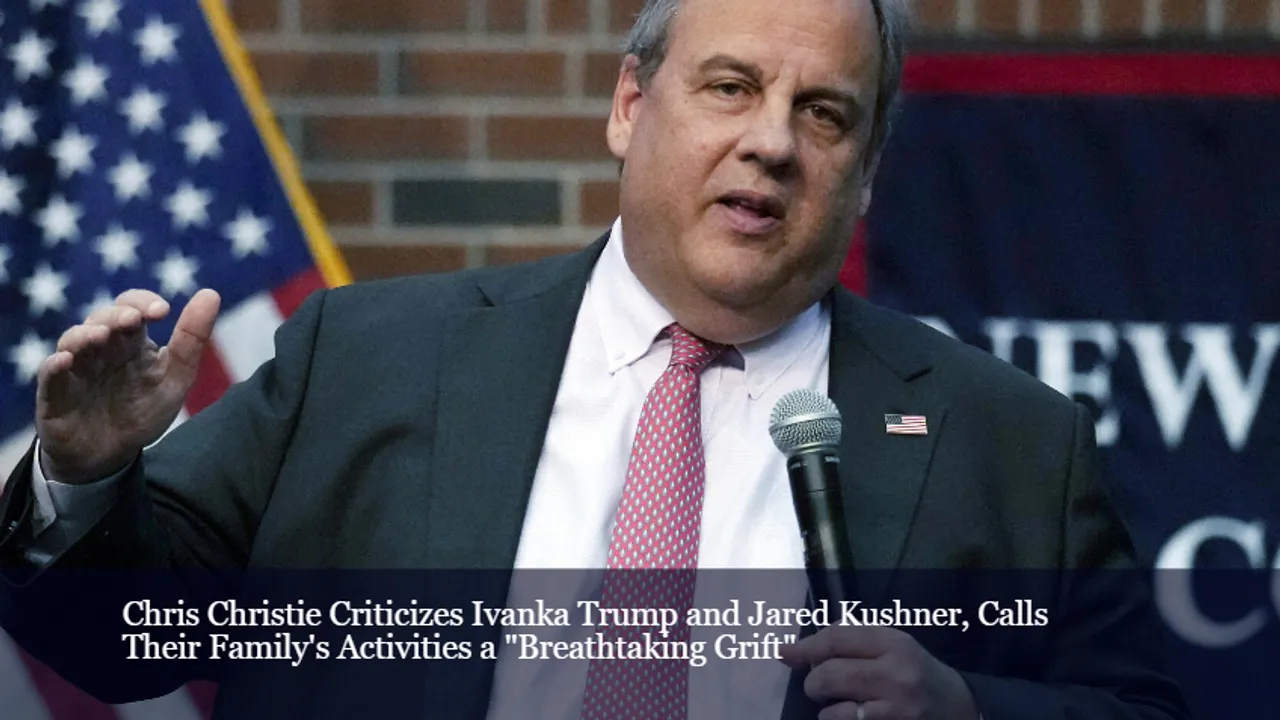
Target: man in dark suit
(608,410)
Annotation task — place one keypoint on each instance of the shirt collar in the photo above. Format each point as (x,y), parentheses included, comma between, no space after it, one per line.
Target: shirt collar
(630,318)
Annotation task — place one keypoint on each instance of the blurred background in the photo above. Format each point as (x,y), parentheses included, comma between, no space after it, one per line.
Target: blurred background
(1089,189)
(443,134)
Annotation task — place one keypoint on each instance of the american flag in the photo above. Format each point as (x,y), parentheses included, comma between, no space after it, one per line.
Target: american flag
(906,425)
(136,151)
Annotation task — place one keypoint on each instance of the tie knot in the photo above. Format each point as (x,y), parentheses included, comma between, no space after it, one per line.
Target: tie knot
(690,351)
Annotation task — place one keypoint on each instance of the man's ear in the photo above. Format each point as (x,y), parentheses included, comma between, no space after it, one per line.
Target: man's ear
(626,107)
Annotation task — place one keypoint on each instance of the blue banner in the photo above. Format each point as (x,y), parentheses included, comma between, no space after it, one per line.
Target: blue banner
(1112,225)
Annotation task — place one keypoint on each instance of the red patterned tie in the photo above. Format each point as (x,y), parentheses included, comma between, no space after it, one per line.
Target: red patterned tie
(653,555)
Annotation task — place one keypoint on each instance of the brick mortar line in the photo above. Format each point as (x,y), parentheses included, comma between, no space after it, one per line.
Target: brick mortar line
(966,17)
(575,75)
(478,139)
(465,235)
(1029,18)
(598,26)
(290,16)
(570,197)
(434,107)
(477,16)
(1091,19)
(294,132)
(1152,18)
(384,211)
(536,15)
(389,81)
(378,171)
(1215,18)
(372,43)
(581,43)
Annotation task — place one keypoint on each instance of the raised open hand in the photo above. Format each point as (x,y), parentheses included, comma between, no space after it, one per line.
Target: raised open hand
(109,390)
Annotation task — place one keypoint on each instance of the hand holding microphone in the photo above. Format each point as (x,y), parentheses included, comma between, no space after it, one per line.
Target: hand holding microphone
(859,673)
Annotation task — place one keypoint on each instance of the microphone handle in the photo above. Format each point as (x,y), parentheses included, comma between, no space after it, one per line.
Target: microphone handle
(815,491)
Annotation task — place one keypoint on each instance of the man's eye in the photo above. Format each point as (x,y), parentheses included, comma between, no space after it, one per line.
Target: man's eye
(728,89)
(826,115)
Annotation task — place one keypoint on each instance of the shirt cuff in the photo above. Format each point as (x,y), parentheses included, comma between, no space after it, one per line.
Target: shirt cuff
(75,508)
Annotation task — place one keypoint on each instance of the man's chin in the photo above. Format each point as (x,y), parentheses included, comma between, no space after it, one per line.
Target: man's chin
(739,291)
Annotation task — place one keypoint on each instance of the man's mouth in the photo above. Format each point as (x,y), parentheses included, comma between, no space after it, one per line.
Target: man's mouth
(764,206)
(753,213)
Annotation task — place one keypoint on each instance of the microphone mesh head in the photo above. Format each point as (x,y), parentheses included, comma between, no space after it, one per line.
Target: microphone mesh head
(802,419)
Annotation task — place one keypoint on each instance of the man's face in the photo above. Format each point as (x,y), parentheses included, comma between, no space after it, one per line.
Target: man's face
(746,159)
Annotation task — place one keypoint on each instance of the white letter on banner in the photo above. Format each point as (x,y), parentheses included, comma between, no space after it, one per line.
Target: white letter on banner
(1213,363)
(1175,595)
(1003,332)
(1056,343)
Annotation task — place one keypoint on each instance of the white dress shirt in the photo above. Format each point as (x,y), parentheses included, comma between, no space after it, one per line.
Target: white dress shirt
(748,520)
(614,358)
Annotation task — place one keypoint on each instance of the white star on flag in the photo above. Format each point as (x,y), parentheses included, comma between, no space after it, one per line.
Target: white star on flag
(131,178)
(45,290)
(30,56)
(143,109)
(189,206)
(156,41)
(10,190)
(100,16)
(248,234)
(5,254)
(118,248)
(17,125)
(87,81)
(177,274)
(60,221)
(73,152)
(28,355)
(202,138)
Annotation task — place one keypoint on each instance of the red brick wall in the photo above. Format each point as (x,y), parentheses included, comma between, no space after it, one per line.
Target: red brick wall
(441,134)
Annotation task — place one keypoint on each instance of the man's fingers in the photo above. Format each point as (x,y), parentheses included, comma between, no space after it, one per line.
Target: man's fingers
(116,317)
(194,328)
(152,306)
(52,379)
(82,337)
(55,364)
(844,679)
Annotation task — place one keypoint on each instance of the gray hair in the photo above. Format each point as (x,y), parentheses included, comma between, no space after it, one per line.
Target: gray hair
(649,36)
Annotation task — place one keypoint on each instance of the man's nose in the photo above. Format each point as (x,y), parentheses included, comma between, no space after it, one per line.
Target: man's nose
(769,138)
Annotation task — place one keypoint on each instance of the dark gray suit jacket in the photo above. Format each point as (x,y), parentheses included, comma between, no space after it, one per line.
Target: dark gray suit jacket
(400,426)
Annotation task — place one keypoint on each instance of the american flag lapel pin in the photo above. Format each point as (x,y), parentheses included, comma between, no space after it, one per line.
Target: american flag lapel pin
(906,425)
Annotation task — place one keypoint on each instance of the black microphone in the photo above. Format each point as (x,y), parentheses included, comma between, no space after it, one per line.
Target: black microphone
(805,426)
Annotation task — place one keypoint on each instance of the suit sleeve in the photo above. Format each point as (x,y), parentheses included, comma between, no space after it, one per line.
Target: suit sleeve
(188,505)
(1107,659)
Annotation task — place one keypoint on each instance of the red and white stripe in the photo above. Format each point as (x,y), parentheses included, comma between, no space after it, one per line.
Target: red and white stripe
(243,339)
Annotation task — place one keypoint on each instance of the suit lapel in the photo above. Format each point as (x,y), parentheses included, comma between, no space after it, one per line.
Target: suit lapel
(881,475)
(499,371)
